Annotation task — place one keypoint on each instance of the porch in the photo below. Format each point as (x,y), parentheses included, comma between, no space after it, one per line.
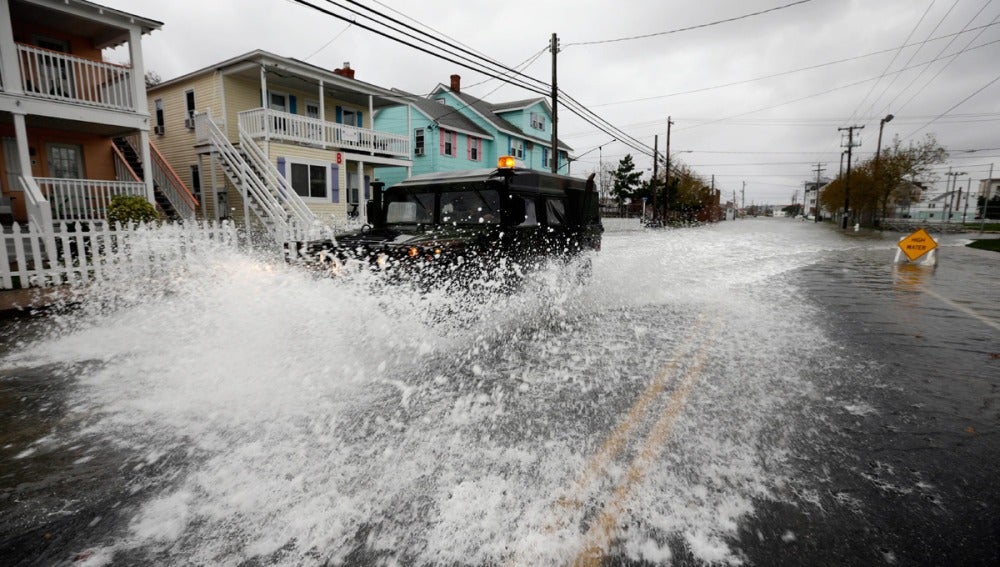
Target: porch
(84,199)
(275,125)
(51,75)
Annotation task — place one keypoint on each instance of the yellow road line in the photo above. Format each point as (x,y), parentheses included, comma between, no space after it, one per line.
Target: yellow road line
(620,436)
(603,529)
(962,308)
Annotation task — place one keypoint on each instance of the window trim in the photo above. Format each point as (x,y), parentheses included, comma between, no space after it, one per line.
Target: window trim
(270,93)
(80,162)
(419,141)
(189,103)
(517,148)
(313,103)
(324,165)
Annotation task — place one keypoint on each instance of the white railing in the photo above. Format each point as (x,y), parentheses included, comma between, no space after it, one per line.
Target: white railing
(168,183)
(84,199)
(301,217)
(86,252)
(53,75)
(252,189)
(282,126)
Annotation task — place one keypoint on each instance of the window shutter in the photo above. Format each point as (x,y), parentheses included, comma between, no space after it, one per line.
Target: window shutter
(361,120)
(281,166)
(340,115)
(468,147)
(291,104)
(335,179)
(441,135)
(454,143)
(368,187)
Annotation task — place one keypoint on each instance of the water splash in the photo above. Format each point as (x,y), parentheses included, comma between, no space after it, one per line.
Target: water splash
(297,419)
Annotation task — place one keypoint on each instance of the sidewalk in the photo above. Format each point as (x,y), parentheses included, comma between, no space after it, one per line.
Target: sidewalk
(12,300)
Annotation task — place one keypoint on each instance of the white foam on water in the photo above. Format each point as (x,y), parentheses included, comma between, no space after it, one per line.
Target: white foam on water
(337,420)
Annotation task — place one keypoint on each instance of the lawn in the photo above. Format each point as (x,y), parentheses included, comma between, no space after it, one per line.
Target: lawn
(991,244)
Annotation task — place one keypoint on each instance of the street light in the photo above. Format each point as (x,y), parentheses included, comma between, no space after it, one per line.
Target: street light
(878,152)
(881,124)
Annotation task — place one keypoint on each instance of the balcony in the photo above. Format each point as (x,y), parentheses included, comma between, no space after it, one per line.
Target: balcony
(280,126)
(57,76)
(84,199)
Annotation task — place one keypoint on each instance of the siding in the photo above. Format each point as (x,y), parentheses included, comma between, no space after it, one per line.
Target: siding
(177,143)
(323,209)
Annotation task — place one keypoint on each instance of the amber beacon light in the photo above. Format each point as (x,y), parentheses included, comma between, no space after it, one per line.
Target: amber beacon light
(505,162)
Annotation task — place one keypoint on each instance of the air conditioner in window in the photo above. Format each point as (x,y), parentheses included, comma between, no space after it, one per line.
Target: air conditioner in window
(418,151)
(189,123)
(159,129)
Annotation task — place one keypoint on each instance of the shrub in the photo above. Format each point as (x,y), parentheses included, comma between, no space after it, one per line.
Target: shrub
(130,210)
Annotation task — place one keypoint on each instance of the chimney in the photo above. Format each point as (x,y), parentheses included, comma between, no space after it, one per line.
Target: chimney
(456,83)
(345,71)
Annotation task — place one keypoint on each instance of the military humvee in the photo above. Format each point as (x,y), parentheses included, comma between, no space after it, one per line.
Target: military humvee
(469,223)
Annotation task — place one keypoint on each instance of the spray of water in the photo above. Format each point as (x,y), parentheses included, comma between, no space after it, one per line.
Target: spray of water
(299,419)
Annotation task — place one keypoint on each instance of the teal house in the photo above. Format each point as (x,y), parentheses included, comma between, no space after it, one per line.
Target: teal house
(450,130)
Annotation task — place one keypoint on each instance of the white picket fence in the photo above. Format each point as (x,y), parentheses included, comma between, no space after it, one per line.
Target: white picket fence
(78,253)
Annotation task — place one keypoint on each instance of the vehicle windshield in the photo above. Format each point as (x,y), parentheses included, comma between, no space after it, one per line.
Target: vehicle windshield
(410,208)
(470,207)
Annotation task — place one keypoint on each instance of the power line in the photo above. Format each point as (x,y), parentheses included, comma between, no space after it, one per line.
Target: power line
(476,62)
(956,105)
(893,60)
(689,28)
(792,71)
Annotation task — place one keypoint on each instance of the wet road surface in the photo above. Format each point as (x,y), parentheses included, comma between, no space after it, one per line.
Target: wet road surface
(762,392)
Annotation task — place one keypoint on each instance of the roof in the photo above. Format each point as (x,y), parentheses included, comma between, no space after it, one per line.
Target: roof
(105,25)
(446,116)
(270,60)
(490,113)
(483,175)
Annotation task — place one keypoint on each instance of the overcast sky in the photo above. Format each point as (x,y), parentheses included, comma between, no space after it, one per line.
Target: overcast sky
(756,100)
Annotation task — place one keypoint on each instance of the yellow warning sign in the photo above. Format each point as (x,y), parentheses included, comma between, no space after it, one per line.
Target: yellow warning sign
(917,244)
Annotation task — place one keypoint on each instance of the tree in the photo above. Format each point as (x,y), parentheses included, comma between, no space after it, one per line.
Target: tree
(625,180)
(152,79)
(893,180)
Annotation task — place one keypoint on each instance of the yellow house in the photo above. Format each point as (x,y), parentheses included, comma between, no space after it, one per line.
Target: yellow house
(75,128)
(273,142)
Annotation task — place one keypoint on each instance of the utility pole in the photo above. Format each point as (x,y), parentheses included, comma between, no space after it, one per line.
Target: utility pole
(819,169)
(743,196)
(554,47)
(986,200)
(652,182)
(968,193)
(666,172)
(847,184)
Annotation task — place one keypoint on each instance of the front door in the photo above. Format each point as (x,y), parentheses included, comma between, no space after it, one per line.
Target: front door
(353,195)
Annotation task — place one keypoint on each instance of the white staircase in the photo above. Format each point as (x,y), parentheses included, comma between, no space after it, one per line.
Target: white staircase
(273,202)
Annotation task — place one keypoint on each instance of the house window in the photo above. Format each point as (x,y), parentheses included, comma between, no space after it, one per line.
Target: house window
(517,148)
(189,103)
(312,109)
(475,148)
(441,101)
(418,142)
(65,161)
(196,182)
(353,189)
(158,105)
(349,117)
(449,142)
(545,157)
(277,101)
(309,180)
(537,121)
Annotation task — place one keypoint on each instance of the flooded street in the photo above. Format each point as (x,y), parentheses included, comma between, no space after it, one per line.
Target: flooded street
(766,391)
